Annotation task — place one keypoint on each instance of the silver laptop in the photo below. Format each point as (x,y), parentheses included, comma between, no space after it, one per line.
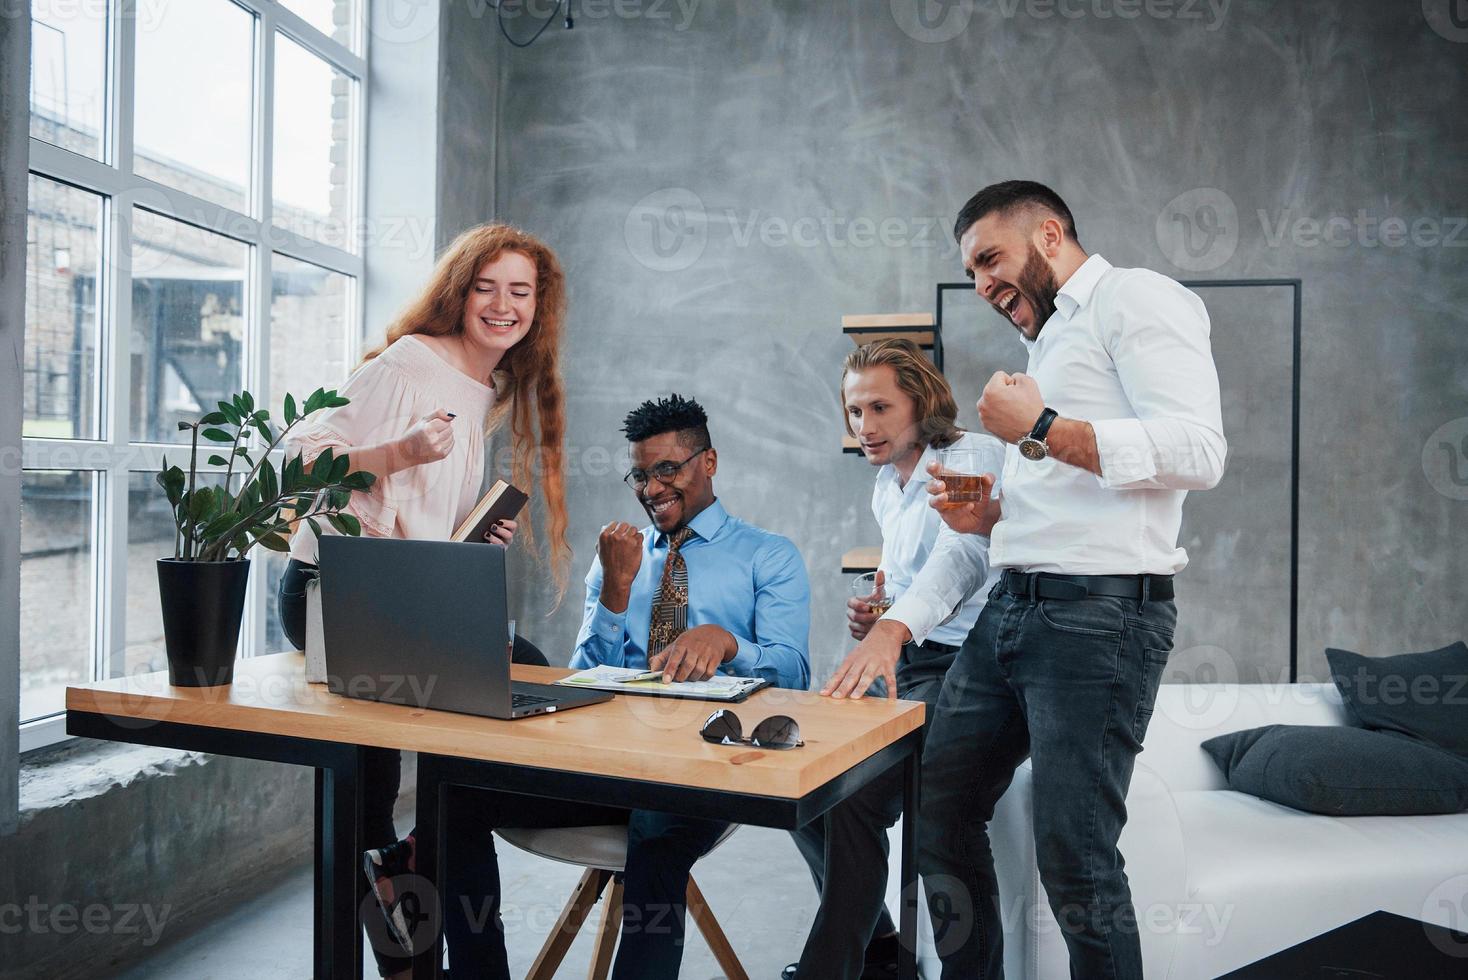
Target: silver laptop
(425,623)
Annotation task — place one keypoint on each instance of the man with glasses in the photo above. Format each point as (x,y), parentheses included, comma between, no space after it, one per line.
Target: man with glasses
(697,592)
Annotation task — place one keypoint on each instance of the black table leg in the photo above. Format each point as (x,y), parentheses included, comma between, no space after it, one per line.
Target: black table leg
(911,889)
(428,850)
(339,884)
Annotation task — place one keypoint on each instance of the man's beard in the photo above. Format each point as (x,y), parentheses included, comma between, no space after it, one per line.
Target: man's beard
(1038,285)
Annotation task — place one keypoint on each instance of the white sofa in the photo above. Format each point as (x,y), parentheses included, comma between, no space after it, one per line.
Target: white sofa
(1220,878)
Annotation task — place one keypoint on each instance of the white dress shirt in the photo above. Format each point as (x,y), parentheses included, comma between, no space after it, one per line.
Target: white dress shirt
(911,530)
(1126,350)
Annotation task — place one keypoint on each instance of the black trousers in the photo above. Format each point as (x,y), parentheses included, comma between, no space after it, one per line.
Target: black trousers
(1071,685)
(382,767)
(846,848)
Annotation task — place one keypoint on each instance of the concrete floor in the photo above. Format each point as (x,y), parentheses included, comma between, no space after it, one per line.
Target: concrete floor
(756,883)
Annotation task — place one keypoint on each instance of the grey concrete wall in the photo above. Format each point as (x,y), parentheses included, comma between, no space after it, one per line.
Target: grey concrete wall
(467,110)
(724,180)
(122,849)
(15,59)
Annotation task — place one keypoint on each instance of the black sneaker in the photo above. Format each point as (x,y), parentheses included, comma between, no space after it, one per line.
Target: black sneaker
(880,960)
(381,866)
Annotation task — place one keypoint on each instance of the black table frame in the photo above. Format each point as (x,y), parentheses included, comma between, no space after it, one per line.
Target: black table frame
(339,887)
(437,774)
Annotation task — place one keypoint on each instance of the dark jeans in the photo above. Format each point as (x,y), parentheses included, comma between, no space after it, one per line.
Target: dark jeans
(382,768)
(1070,684)
(847,851)
(661,850)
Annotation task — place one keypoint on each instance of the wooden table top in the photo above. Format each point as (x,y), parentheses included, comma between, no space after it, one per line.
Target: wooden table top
(633,737)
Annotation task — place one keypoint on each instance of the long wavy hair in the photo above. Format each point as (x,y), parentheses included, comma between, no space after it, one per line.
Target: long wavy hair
(528,389)
(934,406)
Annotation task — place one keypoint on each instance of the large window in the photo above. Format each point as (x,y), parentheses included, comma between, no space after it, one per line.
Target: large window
(191,232)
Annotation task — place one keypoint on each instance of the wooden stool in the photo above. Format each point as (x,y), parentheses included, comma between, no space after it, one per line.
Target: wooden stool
(602,851)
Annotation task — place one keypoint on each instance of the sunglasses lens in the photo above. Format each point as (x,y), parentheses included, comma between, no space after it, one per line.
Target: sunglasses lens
(722,728)
(776,732)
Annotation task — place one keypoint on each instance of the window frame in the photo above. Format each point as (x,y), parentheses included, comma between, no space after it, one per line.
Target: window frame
(114,457)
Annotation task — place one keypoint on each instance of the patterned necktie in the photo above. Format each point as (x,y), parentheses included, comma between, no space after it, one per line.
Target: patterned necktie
(670,605)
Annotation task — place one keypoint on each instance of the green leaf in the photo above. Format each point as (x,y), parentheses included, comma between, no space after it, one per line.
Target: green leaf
(337,401)
(314,401)
(230,413)
(185,426)
(267,481)
(218,525)
(290,408)
(315,527)
(247,402)
(217,435)
(339,467)
(242,451)
(346,524)
(213,418)
(199,502)
(273,542)
(292,474)
(360,480)
(172,480)
(264,429)
(218,460)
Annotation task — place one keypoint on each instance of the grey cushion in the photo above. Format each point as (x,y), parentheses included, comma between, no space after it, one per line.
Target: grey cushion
(1423,695)
(1341,771)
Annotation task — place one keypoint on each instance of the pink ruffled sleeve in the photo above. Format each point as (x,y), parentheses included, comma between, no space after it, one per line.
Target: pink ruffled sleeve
(381,408)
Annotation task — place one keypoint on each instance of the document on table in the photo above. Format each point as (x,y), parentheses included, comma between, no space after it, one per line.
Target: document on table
(720,687)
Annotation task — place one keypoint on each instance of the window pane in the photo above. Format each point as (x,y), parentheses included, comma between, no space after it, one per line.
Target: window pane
(188,324)
(313,132)
(68,74)
(334,18)
(56,596)
(308,332)
(192,125)
(150,536)
(59,371)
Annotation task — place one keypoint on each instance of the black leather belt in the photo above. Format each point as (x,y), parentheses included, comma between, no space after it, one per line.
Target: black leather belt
(1048,585)
(938,647)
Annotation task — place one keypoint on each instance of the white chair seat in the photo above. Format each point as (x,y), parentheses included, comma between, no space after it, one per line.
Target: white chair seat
(586,847)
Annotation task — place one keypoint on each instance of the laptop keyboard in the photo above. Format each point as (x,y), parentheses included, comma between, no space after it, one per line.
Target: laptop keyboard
(528,700)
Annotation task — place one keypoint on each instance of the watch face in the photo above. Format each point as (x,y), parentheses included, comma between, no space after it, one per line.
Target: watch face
(1033,449)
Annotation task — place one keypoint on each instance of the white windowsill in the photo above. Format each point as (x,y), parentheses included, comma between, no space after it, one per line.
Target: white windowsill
(43,732)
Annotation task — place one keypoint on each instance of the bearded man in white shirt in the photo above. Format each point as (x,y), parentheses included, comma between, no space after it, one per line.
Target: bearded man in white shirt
(1116,418)
(901,411)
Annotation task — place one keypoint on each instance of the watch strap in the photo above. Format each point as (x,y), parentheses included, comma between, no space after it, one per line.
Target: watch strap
(1042,424)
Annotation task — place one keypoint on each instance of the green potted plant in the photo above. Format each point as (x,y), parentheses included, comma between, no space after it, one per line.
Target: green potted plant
(202,586)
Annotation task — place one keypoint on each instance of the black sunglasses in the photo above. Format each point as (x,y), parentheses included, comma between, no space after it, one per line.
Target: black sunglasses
(775,732)
(663,472)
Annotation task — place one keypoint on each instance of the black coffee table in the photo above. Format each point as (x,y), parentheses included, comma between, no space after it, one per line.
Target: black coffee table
(1379,946)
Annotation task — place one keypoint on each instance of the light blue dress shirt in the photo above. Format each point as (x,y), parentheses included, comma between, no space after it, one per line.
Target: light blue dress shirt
(741,577)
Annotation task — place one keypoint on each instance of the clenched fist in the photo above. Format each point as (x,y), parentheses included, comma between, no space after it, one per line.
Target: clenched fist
(620,551)
(430,439)
(1011,405)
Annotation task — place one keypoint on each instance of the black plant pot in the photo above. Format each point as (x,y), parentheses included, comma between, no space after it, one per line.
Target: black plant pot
(203,603)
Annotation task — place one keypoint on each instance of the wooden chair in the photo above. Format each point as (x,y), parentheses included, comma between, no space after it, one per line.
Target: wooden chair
(602,851)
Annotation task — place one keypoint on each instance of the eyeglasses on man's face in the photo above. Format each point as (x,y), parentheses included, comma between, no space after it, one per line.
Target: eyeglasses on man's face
(663,471)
